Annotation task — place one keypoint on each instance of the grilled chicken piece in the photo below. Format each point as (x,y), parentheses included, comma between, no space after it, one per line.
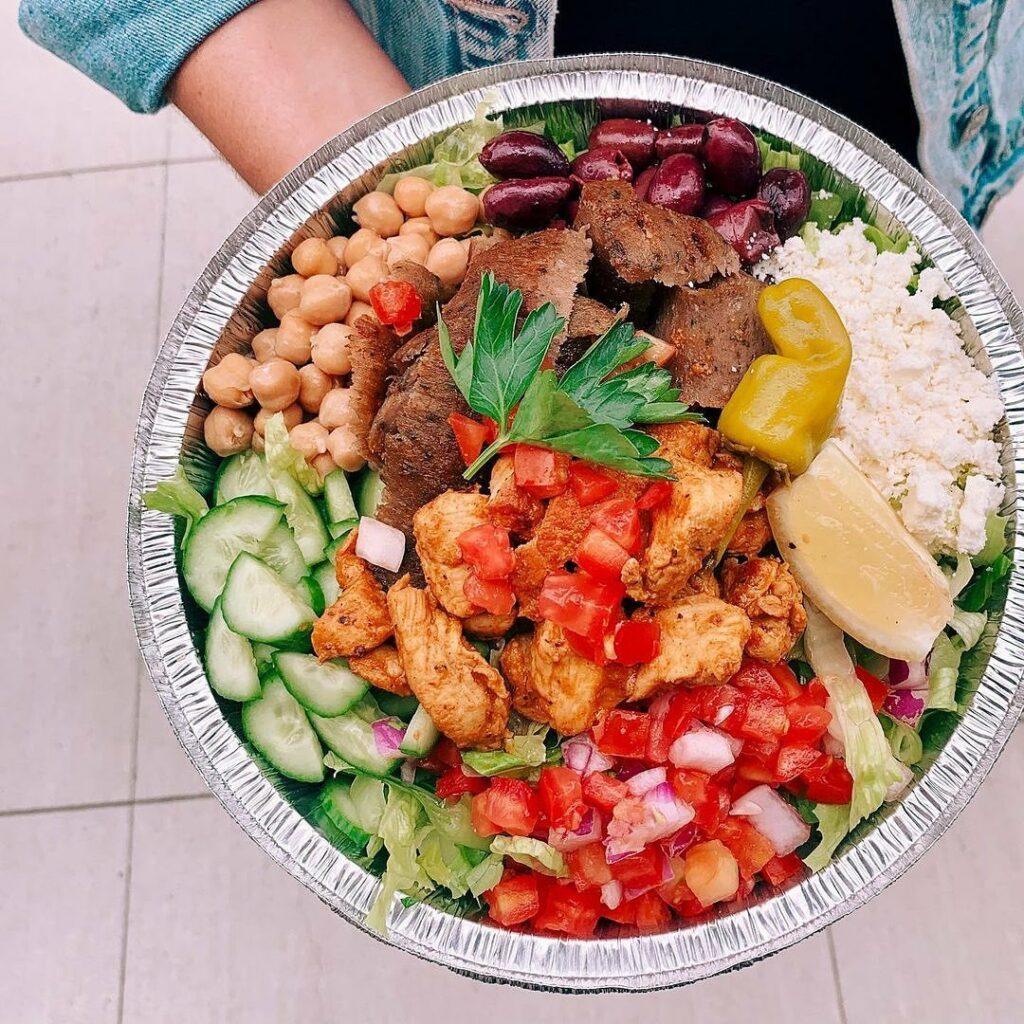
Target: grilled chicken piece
(702,643)
(766,591)
(704,502)
(358,622)
(437,526)
(382,668)
(486,626)
(753,534)
(466,698)
(509,505)
(552,683)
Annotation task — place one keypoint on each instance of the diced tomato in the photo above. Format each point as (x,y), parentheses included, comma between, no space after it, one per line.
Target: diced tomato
(578,602)
(455,782)
(592,650)
(624,913)
(650,913)
(514,900)
(829,782)
(494,596)
(601,556)
(602,791)
(677,894)
(762,718)
(624,734)
(877,690)
(756,676)
(779,869)
(444,755)
(561,796)
(786,678)
(751,850)
(753,771)
(488,550)
(684,708)
(590,484)
(709,801)
(480,819)
(491,426)
(540,471)
(509,805)
(719,703)
(397,304)
(794,759)
(808,721)
(470,436)
(656,495)
(619,519)
(588,867)
(637,642)
(564,909)
(817,692)
(642,871)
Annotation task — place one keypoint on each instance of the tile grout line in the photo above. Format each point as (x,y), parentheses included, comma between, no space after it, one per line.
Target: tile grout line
(103,805)
(836,979)
(138,165)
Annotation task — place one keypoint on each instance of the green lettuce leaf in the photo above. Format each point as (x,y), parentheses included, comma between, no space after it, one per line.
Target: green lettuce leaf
(943,672)
(904,741)
(398,830)
(524,751)
(178,497)
(486,875)
(531,853)
(833,824)
(281,457)
(995,540)
(969,625)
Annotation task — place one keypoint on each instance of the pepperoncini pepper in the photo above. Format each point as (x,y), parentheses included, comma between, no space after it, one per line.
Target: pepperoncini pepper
(785,406)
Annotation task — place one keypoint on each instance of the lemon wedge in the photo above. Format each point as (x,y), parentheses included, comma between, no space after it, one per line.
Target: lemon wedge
(856,561)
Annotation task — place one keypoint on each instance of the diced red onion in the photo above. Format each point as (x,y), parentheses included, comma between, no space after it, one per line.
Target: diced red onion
(723,713)
(387,738)
(590,831)
(908,675)
(637,822)
(626,769)
(408,770)
(676,845)
(904,705)
(582,756)
(644,781)
(703,748)
(611,894)
(380,544)
(775,819)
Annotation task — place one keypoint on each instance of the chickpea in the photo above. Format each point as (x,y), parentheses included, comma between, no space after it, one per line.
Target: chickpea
(378,212)
(448,260)
(323,464)
(227,431)
(275,384)
(284,293)
(294,338)
(364,275)
(309,439)
(357,311)
(411,195)
(331,349)
(313,385)
(313,257)
(419,226)
(452,210)
(343,445)
(363,243)
(337,409)
(264,345)
(337,246)
(227,383)
(411,249)
(325,299)
(292,417)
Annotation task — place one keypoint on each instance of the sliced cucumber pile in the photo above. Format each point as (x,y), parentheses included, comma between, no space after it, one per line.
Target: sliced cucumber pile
(351,738)
(260,605)
(239,475)
(421,734)
(303,517)
(230,662)
(341,507)
(354,808)
(327,688)
(367,490)
(277,727)
(324,575)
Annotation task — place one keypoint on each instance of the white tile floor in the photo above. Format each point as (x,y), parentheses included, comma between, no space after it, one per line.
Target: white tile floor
(126,894)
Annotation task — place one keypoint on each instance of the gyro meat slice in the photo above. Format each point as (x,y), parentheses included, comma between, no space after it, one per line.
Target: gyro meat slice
(767,592)
(382,668)
(358,621)
(466,698)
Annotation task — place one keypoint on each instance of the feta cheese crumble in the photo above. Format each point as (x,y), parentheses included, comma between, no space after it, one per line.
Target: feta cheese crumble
(917,414)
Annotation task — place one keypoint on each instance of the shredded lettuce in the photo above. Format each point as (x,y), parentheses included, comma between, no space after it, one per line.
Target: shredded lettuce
(833,825)
(398,830)
(943,672)
(988,577)
(876,664)
(178,497)
(960,576)
(883,242)
(969,625)
(486,875)
(995,540)
(531,853)
(825,208)
(904,741)
(281,457)
(524,751)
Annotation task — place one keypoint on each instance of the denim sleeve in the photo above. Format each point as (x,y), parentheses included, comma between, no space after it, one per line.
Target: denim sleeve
(130,47)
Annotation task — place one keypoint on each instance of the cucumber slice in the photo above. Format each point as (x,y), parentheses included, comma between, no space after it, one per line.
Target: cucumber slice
(324,575)
(276,726)
(367,490)
(341,508)
(327,689)
(303,517)
(351,738)
(393,706)
(230,662)
(241,474)
(242,524)
(421,735)
(355,809)
(311,586)
(283,555)
(264,655)
(259,604)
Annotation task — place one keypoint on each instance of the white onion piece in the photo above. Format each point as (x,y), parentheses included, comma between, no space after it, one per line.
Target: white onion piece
(644,781)
(705,749)
(380,544)
(582,756)
(611,894)
(776,820)
(723,713)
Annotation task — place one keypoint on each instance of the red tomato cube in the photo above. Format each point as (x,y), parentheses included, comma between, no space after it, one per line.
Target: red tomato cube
(540,471)
(877,690)
(794,759)
(808,721)
(470,436)
(397,304)
(656,495)
(494,596)
(488,550)
(642,871)
(561,796)
(509,805)
(601,556)
(828,782)
(637,642)
(514,900)
(625,734)
(566,910)
(578,602)
(454,782)
(602,791)
(590,484)
(619,519)
(588,867)
(780,869)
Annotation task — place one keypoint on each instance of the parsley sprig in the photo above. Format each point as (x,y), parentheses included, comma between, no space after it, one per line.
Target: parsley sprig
(591,413)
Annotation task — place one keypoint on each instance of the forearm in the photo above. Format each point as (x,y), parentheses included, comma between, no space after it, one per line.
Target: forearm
(281,78)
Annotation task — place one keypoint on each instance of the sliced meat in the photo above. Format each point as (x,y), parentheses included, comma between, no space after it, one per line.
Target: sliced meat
(552,683)
(358,622)
(766,591)
(466,698)
(428,286)
(589,320)
(382,668)
(371,347)
(509,505)
(437,526)
(717,335)
(702,643)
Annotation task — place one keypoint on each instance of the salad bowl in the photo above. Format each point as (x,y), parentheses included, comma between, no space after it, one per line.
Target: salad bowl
(223,312)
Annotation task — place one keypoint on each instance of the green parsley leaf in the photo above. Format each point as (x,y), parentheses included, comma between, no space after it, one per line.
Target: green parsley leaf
(461,366)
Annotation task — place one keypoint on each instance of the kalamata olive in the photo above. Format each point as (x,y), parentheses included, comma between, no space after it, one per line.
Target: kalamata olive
(643,182)
(643,110)
(602,163)
(678,183)
(731,156)
(634,138)
(714,203)
(523,204)
(519,154)
(788,194)
(684,138)
(749,226)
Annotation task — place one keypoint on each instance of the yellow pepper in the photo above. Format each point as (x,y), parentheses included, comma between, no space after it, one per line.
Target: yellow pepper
(785,406)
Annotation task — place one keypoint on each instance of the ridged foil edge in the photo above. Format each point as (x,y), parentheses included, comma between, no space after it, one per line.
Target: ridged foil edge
(220,312)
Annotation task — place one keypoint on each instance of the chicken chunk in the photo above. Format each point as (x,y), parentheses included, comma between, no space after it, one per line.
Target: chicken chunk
(382,668)
(466,698)
(487,626)
(509,505)
(552,683)
(766,591)
(702,643)
(753,534)
(358,621)
(437,526)
(692,524)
